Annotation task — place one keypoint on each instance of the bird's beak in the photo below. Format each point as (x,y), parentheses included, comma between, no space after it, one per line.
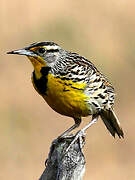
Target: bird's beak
(25,52)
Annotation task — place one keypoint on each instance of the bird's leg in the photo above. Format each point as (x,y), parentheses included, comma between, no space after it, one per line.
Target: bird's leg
(81,133)
(77,123)
(93,121)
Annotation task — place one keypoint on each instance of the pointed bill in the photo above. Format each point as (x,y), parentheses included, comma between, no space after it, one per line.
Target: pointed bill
(23,52)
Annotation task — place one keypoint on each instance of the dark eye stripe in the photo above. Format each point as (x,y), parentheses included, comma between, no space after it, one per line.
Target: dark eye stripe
(52,50)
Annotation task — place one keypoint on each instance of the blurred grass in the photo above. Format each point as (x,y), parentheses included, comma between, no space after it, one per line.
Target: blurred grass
(103,31)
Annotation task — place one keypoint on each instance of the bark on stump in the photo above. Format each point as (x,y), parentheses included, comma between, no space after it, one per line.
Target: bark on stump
(62,164)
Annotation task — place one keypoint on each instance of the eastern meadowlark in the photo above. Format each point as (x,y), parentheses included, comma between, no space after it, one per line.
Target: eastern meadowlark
(71,85)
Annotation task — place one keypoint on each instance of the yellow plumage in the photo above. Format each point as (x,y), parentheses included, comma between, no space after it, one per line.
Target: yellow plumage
(66,97)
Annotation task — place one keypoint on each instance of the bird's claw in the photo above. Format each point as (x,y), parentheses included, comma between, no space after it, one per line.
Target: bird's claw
(80,135)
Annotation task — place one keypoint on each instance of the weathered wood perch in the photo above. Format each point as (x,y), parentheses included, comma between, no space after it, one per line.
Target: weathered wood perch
(62,164)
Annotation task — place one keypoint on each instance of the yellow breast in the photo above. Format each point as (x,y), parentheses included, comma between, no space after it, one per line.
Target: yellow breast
(66,97)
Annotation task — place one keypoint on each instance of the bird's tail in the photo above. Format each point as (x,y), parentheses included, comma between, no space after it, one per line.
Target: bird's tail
(112,123)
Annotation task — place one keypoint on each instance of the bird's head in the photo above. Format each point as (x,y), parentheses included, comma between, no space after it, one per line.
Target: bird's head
(42,54)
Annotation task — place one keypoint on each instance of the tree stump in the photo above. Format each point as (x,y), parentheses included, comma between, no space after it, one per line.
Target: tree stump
(62,164)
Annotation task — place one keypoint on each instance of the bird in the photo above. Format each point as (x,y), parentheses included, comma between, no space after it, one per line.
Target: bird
(72,85)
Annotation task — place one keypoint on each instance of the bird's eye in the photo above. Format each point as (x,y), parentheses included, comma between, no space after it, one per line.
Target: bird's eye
(41,50)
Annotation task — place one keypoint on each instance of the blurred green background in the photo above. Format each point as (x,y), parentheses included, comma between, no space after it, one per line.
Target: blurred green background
(104,32)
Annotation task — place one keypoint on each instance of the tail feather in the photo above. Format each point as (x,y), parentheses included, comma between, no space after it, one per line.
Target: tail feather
(112,123)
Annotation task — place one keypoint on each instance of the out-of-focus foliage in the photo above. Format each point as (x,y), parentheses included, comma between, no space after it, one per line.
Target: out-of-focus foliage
(104,32)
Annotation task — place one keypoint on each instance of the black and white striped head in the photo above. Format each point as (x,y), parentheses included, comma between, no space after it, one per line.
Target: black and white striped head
(41,53)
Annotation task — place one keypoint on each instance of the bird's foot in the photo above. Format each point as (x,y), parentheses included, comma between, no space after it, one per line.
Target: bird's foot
(81,135)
